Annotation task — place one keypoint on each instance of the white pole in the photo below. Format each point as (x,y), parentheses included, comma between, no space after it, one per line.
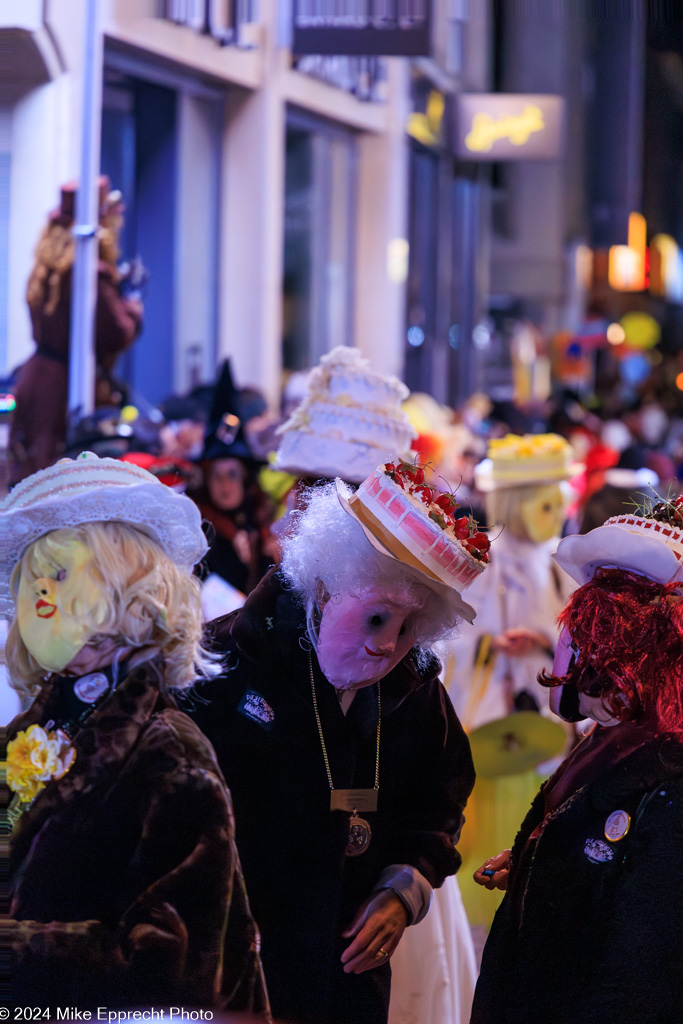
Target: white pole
(84,282)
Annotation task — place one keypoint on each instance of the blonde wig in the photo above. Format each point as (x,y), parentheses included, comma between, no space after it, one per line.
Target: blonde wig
(147,602)
(54,255)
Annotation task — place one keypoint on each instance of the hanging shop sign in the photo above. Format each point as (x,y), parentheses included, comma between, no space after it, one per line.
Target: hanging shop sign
(374,28)
(497,126)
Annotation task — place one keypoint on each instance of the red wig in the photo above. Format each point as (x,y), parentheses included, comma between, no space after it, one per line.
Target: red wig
(628,634)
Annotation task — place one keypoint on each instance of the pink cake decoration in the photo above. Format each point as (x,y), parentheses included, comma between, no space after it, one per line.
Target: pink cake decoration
(395,504)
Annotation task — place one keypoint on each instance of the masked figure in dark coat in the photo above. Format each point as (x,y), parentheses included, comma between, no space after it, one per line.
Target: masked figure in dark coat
(327,687)
(591,927)
(125,884)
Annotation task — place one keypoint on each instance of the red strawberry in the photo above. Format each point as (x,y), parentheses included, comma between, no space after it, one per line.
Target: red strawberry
(447,502)
(393,474)
(415,474)
(424,493)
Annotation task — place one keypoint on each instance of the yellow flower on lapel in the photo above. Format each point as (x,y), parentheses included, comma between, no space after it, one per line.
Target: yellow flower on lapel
(36,757)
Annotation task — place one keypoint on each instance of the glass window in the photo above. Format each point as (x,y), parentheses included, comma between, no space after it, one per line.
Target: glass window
(320,211)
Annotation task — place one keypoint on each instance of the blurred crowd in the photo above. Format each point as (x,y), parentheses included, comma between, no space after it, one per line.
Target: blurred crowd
(219,442)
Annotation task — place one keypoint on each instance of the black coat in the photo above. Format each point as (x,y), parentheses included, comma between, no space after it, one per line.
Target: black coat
(303,890)
(590,930)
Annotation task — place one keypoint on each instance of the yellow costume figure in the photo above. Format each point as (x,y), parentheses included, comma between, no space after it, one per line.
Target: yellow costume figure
(491,669)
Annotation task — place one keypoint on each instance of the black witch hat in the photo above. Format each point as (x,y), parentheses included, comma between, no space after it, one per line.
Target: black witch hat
(225,435)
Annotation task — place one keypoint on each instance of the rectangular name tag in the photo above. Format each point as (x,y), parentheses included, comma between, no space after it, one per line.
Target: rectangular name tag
(255,707)
(350,799)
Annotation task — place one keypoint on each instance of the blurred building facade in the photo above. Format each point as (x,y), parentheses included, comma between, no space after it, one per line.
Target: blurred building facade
(284,205)
(267,196)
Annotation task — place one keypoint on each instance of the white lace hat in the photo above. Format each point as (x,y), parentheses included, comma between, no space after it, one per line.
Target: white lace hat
(640,543)
(92,489)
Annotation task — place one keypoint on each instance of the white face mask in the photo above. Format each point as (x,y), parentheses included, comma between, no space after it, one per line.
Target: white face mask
(364,635)
(52,607)
(589,707)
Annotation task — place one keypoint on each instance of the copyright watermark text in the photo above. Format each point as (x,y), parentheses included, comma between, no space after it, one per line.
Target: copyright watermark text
(72,1014)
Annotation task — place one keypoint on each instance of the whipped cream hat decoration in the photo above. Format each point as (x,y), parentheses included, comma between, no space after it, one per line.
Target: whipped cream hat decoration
(349,420)
(406,520)
(93,489)
(649,543)
(519,460)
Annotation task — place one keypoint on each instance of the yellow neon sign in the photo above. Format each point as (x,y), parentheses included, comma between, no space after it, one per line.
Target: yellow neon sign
(487,129)
(426,128)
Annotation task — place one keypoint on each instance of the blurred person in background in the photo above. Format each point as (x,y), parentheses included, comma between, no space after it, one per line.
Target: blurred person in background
(230,499)
(38,429)
(490,670)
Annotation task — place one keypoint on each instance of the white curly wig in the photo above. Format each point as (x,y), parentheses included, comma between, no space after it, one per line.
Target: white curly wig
(326,551)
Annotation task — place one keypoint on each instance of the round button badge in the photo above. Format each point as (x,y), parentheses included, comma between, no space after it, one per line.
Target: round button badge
(89,688)
(617,825)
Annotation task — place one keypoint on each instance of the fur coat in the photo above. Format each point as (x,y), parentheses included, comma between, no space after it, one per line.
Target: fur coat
(124,874)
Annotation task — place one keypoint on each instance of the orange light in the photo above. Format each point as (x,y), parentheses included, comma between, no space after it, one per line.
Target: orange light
(637,232)
(625,269)
(628,264)
(679,381)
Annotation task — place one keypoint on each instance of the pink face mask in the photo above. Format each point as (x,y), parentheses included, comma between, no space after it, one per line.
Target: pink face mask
(363,636)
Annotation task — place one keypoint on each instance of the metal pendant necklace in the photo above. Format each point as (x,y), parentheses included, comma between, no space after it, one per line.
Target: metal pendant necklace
(350,800)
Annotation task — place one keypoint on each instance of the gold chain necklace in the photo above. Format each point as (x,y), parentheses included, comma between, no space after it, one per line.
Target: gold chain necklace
(350,800)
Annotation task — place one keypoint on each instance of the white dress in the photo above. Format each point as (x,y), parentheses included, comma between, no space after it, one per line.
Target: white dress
(433,970)
(523,586)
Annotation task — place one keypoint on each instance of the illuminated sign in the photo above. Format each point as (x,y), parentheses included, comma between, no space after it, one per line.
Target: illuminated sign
(390,28)
(427,127)
(498,126)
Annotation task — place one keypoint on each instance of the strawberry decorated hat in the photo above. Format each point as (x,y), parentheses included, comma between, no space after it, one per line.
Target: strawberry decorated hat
(428,532)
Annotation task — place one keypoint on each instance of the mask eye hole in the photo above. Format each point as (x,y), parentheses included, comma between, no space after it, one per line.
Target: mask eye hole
(376,620)
(61,575)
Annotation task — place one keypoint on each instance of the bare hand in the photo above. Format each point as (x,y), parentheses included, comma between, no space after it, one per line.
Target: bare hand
(520,641)
(378,925)
(493,874)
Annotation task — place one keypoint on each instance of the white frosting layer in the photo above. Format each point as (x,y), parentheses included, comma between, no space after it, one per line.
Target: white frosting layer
(328,456)
(352,424)
(350,420)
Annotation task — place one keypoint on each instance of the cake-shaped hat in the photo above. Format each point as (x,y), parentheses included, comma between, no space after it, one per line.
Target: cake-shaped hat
(526,460)
(349,420)
(649,543)
(404,518)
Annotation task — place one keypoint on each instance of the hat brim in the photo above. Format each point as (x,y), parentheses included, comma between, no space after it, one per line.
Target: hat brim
(581,555)
(485,482)
(409,563)
(172,520)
